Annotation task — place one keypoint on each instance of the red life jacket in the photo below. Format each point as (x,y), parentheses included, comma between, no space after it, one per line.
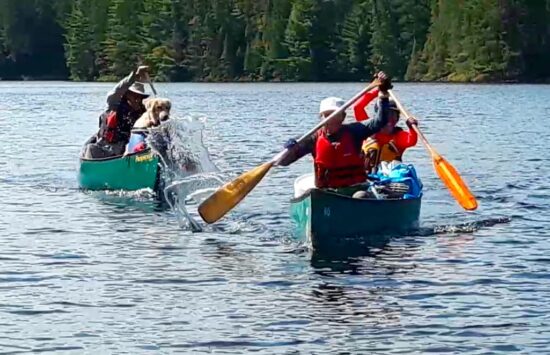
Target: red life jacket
(108,124)
(338,164)
(115,125)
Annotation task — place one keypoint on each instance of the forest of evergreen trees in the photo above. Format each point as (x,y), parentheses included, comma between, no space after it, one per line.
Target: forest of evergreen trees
(288,40)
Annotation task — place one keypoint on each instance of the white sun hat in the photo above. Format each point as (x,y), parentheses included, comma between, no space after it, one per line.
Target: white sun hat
(330,104)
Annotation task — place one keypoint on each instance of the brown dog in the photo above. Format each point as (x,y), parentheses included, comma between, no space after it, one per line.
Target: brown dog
(157,111)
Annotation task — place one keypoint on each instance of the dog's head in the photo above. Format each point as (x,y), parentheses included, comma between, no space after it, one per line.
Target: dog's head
(158,110)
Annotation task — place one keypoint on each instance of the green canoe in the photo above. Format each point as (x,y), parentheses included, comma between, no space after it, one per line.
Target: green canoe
(326,219)
(131,172)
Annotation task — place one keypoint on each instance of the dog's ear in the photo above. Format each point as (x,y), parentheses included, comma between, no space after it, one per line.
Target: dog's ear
(168,104)
(149,103)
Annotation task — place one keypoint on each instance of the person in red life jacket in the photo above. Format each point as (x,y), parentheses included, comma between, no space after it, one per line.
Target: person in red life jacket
(336,148)
(124,108)
(391,142)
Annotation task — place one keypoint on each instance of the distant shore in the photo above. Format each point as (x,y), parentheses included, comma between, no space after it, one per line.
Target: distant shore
(248,80)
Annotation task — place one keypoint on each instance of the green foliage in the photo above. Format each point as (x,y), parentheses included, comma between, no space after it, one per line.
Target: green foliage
(386,54)
(32,39)
(158,49)
(457,40)
(298,35)
(353,56)
(79,36)
(124,44)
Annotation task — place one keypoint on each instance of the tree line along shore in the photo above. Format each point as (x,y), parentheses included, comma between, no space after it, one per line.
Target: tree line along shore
(276,40)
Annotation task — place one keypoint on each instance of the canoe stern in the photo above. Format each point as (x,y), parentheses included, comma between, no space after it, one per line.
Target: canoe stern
(325,217)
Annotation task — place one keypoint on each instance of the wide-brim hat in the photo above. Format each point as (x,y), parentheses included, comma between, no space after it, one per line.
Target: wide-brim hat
(138,88)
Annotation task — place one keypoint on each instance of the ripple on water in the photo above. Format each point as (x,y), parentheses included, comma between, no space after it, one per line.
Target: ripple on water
(96,272)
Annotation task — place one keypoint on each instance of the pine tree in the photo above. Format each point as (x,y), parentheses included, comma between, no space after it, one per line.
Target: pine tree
(457,40)
(124,44)
(275,24)
(78,46)
(251,24)
(298,40)
(158,49)
(353,57)
(385,52)
(414,22)
(431,64)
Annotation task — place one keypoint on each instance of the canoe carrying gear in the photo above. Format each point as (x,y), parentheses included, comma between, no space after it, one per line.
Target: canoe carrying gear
(330,104)
(337,164)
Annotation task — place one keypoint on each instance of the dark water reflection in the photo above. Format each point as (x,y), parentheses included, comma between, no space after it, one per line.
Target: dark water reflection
(112,273)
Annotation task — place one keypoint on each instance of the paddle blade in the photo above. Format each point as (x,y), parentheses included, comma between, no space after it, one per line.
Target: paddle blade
(458,188)
(230,194)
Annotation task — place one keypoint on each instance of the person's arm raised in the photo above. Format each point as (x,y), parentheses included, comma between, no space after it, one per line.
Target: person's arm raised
(115,95)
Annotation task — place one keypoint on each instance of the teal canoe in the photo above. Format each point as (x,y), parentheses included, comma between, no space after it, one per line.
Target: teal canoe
(326,219)
(131,172)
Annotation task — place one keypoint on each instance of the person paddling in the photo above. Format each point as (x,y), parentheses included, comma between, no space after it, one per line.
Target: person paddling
(124,108)
(391,142)
(336,148)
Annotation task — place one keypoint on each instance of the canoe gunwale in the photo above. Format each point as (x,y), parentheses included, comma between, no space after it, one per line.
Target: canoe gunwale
(309,192)
(145,152)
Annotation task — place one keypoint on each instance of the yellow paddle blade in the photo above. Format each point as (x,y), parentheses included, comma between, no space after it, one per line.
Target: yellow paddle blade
(451,178)
(230,194)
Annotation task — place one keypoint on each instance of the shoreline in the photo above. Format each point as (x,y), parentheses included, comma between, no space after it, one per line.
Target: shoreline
(443,82)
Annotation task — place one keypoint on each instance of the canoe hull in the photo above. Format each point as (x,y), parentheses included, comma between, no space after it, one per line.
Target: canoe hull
(326,219)
(132,172)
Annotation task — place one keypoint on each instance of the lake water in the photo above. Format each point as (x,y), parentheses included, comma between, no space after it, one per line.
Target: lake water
(101,272)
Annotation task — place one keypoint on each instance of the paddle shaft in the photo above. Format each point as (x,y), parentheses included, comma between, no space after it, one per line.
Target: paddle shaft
(415,127)
(151,85)
(320,125)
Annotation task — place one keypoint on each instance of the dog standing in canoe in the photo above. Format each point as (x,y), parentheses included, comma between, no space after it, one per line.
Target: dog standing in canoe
(157,111)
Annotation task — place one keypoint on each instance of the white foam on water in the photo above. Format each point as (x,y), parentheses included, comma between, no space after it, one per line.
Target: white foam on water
(189,174)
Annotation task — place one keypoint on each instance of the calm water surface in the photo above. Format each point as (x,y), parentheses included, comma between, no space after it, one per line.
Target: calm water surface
(112,273)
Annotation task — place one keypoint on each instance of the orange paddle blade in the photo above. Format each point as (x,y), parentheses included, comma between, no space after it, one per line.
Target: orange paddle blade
(451,178)
(230,194)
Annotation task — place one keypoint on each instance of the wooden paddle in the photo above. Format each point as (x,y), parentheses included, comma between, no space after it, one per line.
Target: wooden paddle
(150,82)
(447,173)
(230,194)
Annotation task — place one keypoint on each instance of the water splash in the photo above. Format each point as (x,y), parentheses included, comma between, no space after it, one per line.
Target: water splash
(188,173)
(180,145)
